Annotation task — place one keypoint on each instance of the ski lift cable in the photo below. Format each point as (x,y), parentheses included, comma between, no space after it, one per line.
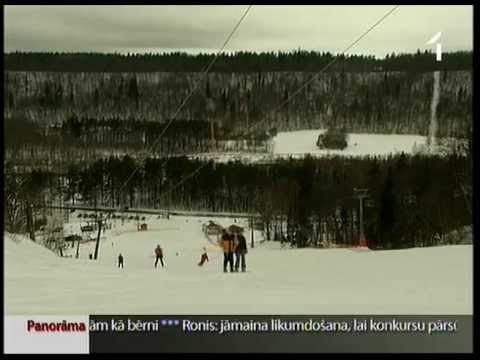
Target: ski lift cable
(336,58)
(184,179)
(356,41)
(185,101)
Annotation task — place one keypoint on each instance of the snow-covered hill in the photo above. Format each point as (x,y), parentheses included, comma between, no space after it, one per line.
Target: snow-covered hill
(279,280)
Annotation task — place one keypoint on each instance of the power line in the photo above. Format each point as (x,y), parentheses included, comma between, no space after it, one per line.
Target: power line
(357,40)
(184,179)
(185,101)
(334,60)
(205,71)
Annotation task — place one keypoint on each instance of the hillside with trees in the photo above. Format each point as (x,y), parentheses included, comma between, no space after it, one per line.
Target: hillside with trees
(110,110)
(414,201)
(71,118)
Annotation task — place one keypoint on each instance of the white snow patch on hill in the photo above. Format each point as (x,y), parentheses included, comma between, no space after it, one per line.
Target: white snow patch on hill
(279,281)
(304,142)
(297,144)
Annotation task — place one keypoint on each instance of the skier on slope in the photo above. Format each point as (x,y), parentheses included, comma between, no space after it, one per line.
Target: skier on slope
(159,255)
(120,260)
(204,257)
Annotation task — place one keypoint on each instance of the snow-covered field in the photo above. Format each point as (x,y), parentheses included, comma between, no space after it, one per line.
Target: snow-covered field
(278,281)
(297,144)
(304,141)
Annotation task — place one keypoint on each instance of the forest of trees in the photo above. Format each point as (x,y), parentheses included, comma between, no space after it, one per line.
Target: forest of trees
(299,60)
(414,201)
(106,132)
(105,110)
(86,140)
(71,118)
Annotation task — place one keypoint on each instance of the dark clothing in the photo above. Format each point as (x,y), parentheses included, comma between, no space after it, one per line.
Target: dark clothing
(228,244)
(240,257)
(203,259)
(120,261)
(241,245)
(240,251)
(159,257)
(227,259)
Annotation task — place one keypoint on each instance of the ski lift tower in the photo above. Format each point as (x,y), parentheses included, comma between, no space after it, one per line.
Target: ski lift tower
(361,195)
(210,107)
(101,221)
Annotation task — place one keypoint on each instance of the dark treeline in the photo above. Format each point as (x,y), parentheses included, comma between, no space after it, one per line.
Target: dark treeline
(241,105)
(88,139)
(113,131)
(415,201)
(299,60)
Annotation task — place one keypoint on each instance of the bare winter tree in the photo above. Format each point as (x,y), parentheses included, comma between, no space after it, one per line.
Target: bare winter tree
(15,215)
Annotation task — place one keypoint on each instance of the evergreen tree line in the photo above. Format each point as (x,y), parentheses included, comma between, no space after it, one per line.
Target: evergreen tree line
(414,201)
(299,60)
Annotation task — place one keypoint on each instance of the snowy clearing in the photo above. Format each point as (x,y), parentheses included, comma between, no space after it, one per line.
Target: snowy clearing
(304,141)
(279,281)
(297,144)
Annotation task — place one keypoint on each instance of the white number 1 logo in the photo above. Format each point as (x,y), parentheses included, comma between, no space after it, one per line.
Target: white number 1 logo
(434,40)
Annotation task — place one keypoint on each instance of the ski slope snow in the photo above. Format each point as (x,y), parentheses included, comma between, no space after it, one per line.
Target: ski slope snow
(304,142)
(278,281)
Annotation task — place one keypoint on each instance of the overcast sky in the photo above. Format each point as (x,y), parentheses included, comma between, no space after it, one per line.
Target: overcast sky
(205,28)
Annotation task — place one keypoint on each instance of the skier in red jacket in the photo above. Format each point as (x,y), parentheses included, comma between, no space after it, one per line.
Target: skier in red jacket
(204,257)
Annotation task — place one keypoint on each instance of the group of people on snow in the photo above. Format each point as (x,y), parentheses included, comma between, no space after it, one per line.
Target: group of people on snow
(158,257)
(233,244)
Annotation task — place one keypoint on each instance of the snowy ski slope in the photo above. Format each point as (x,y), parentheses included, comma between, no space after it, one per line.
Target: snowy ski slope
(279,280)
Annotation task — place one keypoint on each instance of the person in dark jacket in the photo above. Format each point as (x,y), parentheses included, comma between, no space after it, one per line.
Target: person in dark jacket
(158,255)
(240,252)
(227,244)
(120,260)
